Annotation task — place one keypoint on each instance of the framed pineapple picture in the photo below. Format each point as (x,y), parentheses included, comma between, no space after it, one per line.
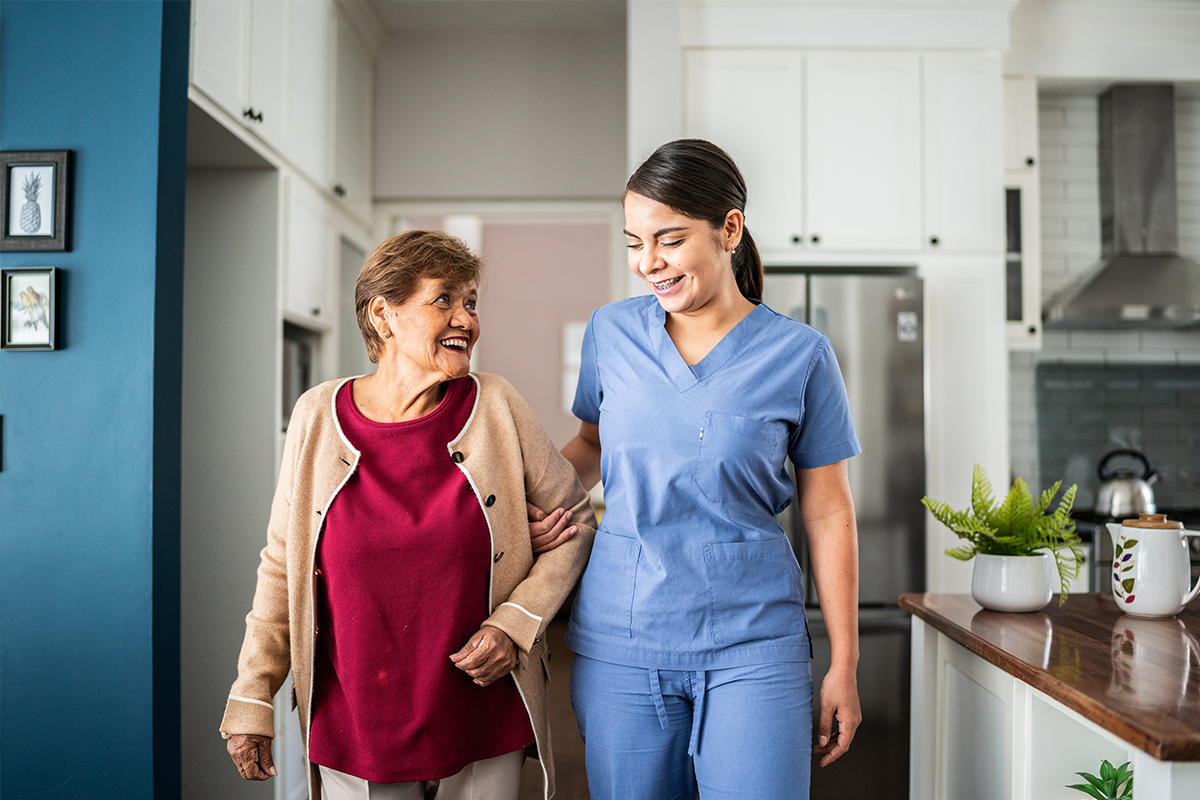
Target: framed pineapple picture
(35,196)
(29,296)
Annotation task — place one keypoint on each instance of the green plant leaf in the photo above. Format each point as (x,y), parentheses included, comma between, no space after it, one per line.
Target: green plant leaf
(1091,791)
(1107,771)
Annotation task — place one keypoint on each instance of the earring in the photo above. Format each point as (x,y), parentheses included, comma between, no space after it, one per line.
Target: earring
(385,334)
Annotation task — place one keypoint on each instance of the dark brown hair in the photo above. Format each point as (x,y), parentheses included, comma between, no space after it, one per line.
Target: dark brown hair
(397,265)
(696,178)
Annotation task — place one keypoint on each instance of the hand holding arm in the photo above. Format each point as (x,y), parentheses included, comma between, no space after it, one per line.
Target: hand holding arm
(827,510)
(548,531)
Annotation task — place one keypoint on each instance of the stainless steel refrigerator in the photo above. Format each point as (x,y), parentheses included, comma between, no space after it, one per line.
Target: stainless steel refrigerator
(874,318)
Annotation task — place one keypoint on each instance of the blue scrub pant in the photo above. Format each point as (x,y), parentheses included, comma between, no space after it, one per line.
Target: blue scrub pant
(742,733)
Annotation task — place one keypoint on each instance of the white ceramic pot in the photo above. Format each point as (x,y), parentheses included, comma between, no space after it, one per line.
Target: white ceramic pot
(1013,583)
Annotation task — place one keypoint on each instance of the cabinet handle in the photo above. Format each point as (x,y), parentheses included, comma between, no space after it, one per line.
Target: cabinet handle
(1033,330)
(933,240)
(258,117)
(248,113)
(797,240)
(316,311)
(1029,161)
(252,115)
(339,190)
(816,239)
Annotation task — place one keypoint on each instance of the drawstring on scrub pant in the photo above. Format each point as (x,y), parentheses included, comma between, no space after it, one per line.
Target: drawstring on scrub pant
(699,691)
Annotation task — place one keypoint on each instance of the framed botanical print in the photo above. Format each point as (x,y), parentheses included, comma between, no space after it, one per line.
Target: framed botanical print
(29,298)
(35,196)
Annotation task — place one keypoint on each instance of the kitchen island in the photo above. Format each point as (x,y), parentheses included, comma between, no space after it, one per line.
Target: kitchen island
(1013,705)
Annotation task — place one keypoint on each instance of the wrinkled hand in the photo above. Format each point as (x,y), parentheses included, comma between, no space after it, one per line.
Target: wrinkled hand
(251,753)
(839,699)
(487,656)
(548,531)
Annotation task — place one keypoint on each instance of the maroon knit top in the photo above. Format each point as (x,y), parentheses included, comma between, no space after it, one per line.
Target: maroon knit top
(402,582)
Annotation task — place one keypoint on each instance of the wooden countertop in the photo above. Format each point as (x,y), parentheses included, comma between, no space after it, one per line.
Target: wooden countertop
(1137,678)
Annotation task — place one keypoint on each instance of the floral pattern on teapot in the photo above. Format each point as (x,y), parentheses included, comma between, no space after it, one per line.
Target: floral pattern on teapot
(1123,562)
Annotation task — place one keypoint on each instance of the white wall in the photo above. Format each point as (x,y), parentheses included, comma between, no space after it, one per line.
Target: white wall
(500,114)
(1070,195)
(230,342)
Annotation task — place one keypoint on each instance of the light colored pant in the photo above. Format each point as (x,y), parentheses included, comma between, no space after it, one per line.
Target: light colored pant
(496,778)
(743,733)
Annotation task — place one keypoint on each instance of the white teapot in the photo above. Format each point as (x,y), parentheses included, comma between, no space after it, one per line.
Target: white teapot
(1151,574)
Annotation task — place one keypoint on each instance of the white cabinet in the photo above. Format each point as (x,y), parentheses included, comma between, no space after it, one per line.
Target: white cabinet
(851,151)
(1023,259)
(307,258)
(749,103)
(863,153)
(964,209)
(220,51)
(351,170)
(1020,122)
(267,63)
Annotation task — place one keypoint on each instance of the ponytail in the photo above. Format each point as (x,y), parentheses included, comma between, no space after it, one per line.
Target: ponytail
(748,267)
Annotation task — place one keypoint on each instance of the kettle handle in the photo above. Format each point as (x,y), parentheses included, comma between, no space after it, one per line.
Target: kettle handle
(1191,595)
(1138,454)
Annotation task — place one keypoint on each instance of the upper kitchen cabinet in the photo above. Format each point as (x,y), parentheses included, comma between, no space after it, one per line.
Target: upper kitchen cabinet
(1020,122)
(863,153)
(964,207)
(351,152)
(267,63)
(220,59)
(749,102)
(307,272)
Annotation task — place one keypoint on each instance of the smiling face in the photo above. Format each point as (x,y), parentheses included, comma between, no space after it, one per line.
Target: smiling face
(434,330)
(684,261)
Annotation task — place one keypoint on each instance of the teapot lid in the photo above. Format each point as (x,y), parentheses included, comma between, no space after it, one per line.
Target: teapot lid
(1157,521)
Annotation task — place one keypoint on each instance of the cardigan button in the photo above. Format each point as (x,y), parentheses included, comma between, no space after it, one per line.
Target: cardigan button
(458,457)
(537,640)
(498,556)
(491,499)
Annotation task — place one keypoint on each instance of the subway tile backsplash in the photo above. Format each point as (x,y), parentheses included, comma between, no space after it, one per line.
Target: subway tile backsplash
(1086,410)
(1133,367)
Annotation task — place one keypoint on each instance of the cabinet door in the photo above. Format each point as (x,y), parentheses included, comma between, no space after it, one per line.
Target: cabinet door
(1020,122)
(307,257)
(964,169)
(268,71)
(863,151)
(308,121)
(749,103)
(352,121)
(220,52)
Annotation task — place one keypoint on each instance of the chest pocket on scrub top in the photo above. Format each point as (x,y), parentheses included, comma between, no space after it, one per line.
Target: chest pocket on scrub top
(736,455)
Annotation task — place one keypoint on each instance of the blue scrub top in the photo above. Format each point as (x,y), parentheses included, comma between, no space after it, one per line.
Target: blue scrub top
(689,569)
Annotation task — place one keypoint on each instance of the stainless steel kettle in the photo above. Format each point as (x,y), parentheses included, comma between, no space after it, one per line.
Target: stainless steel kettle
(1122,493)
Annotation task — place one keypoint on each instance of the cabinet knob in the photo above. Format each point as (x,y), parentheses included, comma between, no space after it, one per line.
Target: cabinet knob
(339,190)
(1029,161)
(316,312)
(933,240)
(797,240)
(816,239)
(1033,330)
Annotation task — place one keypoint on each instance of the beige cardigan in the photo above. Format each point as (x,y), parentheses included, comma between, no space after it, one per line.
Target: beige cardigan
(507,458)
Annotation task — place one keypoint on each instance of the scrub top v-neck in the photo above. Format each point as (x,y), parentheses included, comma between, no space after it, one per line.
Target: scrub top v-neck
(689,569)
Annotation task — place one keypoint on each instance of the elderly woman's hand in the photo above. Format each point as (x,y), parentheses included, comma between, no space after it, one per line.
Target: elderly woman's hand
(548,531)
(252,754)
(487,656)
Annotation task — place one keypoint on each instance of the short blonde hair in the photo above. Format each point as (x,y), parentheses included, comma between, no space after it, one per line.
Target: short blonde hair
(397,265)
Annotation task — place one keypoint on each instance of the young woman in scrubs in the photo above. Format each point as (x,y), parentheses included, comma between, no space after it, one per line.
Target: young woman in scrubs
(692,651)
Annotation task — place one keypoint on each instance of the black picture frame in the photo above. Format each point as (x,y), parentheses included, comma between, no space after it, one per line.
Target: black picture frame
(31,220)
(29,306)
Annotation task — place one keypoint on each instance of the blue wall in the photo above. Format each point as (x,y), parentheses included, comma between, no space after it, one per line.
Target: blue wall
(89,493)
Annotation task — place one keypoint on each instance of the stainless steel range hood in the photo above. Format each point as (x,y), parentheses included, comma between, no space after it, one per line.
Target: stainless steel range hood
(1141,280)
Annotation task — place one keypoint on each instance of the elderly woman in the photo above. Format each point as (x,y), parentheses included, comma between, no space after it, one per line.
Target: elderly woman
(400,582)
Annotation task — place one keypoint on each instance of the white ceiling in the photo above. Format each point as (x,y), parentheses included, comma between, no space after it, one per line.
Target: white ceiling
(431,15)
